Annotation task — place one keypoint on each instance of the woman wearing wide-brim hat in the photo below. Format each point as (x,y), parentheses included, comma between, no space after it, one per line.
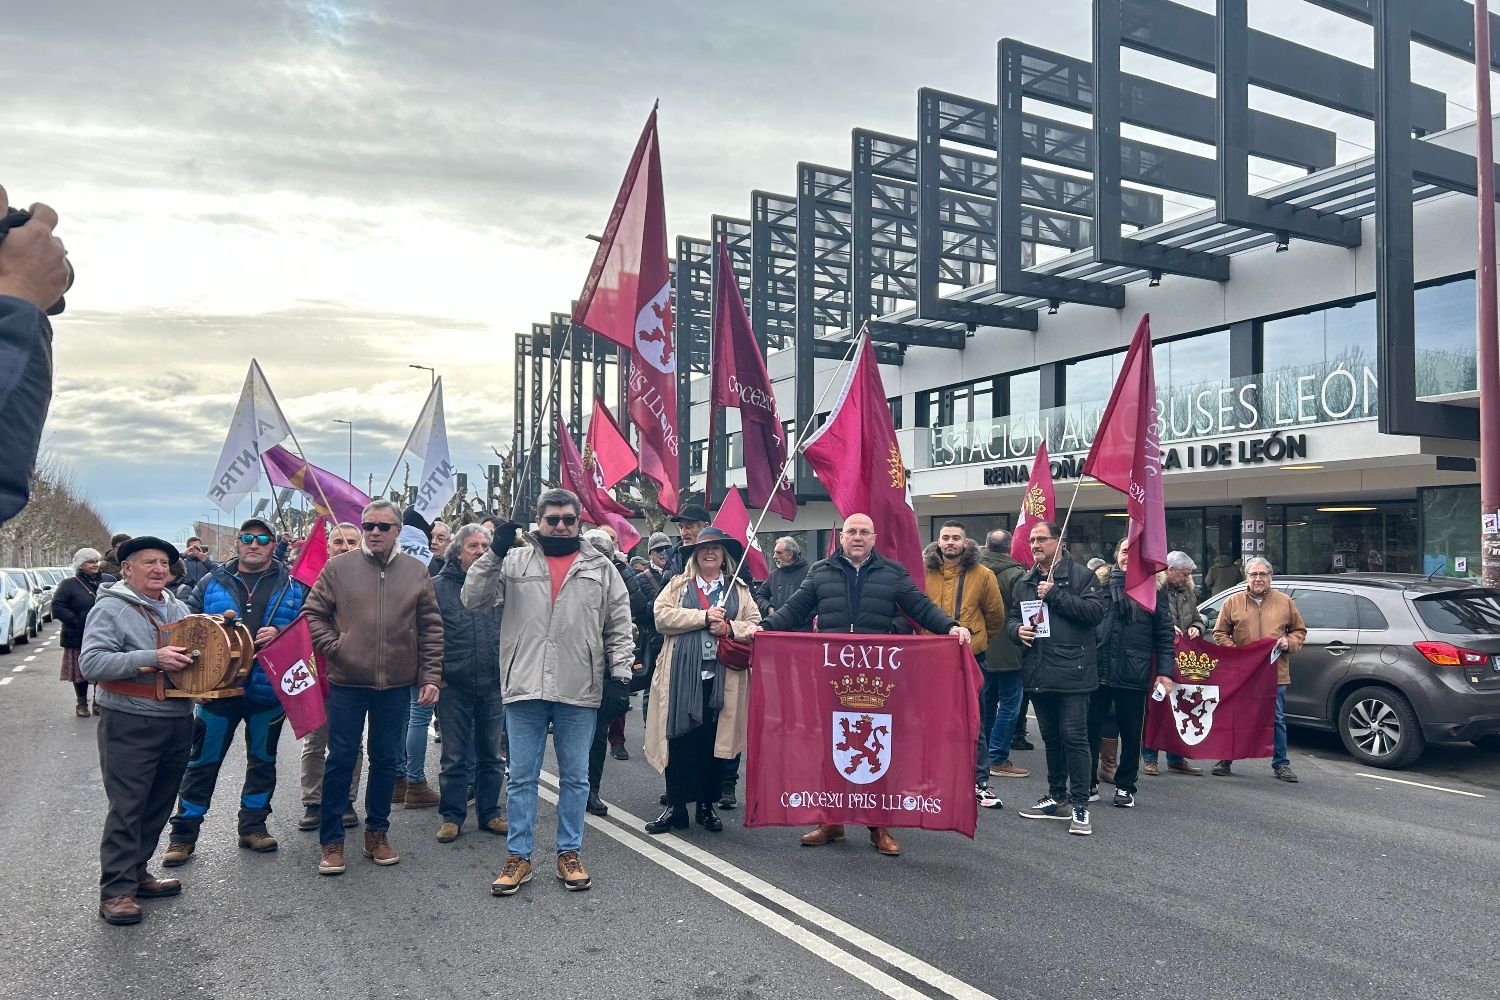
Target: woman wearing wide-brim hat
(698,706)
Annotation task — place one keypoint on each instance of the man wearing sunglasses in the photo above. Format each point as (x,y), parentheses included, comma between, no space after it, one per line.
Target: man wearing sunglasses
(260,591)
(559,593)
(375,620)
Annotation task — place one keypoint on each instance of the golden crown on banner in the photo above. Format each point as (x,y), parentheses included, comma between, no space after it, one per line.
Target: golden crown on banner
(860,693)
(1195,666)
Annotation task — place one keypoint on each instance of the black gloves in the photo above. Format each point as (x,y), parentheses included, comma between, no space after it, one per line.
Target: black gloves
(505,537)
(616,701)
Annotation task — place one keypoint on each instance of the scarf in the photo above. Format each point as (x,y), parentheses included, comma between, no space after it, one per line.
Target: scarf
(557,546)
(695,653)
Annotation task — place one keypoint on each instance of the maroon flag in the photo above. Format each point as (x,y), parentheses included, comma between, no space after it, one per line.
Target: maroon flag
(735,520)
(740,382)
(328,493)
(839,732)
(1127,455)
(606,453)
(598,506)
(628,298)
(1038,503)
(296,677)
(856,457)
(1224,705)
(314,554)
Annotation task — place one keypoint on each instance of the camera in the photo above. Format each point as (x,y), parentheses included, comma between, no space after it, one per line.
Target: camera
(17,217)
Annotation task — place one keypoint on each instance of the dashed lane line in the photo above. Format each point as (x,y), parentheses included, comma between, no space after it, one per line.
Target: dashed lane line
(1417,784)
(18,668)
(888,953)
(29,658)
(5,680)
(797,934)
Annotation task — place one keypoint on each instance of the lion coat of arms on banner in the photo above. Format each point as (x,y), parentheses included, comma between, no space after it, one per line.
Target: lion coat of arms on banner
(1193,702)
(861,736)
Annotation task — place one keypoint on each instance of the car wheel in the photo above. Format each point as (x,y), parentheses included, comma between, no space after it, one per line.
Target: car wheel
(1379,727)
(1490,742)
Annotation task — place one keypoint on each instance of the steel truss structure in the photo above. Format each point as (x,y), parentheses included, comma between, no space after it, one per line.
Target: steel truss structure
(994,211)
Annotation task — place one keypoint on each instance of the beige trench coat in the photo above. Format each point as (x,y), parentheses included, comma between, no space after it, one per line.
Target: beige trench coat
(672,620)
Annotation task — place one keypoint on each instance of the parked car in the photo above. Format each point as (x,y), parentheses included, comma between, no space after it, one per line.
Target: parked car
(1393,661)
(15,610)
(33,587)
(48,585)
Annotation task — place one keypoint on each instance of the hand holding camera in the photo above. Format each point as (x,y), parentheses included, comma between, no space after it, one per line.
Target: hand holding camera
(33,262)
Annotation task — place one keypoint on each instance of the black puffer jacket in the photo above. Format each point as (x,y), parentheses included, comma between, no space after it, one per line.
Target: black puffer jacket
(869,599)
(780,585)
(72,603)
(1066,663)
(471,639)
(1135,645)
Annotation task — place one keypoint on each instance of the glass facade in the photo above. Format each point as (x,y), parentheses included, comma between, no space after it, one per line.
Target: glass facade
(1352,537)
(1450,530)
(1446,360)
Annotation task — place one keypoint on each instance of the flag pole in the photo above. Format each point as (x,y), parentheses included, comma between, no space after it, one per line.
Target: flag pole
(1062,533)
(295,443)
(280,514)
(400,454)
(791,455)
(308,469)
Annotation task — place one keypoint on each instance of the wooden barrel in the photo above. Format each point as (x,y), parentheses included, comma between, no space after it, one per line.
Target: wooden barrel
(218,653)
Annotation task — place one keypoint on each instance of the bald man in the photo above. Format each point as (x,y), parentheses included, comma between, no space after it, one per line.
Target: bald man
(859,590)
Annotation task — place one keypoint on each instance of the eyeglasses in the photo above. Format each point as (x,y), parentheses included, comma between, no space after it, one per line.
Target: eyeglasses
(1258,574)
(1040,539)
(247,539)
(858,532)
(378,526)
(555,519)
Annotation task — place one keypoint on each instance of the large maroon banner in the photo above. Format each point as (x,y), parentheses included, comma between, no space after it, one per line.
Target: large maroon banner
(1224,705)
(873,730)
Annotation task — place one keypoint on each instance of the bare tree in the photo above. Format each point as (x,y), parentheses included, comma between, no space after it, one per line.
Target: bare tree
(59,520)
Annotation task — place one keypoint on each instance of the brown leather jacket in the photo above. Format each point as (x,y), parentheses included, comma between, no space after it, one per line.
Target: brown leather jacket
(1243,620)
(379,626)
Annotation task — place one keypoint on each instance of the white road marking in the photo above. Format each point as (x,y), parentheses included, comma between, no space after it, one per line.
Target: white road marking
(5,680)
(18,668)
(888,953)
(29,658)
(1417,784)
(795,933)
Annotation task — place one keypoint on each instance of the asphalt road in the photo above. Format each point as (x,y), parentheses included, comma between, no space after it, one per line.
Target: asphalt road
(1345,885)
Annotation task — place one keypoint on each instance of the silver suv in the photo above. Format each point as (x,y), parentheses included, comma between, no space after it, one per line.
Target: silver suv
(1392,661)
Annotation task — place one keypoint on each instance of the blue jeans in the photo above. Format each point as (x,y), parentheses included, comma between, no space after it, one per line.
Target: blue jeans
(1278,743)
(1008,690)
(415,767)
(572,732)
(1149,756)
(347,709)
(471,733)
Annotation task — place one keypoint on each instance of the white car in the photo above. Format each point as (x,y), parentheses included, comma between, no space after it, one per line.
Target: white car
(32,586)
(15,609)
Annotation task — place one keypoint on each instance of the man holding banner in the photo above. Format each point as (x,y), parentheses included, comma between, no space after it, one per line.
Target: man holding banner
(1262,612)
(861,592)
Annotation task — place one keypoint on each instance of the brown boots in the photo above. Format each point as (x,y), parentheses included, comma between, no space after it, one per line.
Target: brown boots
(1109,759)
(378,849)
(421,795)
(880,838)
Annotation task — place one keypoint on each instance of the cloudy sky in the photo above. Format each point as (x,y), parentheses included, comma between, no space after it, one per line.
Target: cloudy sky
(342,189)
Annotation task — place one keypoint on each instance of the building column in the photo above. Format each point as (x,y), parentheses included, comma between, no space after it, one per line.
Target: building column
(1253,529)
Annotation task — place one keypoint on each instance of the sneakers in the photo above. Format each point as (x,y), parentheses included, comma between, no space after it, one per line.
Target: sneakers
(1081,825)
(1123,799)
(572,873)
(332,860)
(516,873)
(1093,793)
(1285,773)
(1009,770)
(1046,808)
(986,798)
(728,800)
(1020,742)
(260,843)
(312,817)
(178,852)
(447,833)
(1221,768)
(420,795)
(378,849)
(620,752)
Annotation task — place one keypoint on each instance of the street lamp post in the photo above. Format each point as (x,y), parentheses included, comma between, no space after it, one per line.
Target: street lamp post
(431,371)
(350,425)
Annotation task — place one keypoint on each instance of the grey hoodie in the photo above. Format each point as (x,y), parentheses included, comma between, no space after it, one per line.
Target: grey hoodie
(118,641)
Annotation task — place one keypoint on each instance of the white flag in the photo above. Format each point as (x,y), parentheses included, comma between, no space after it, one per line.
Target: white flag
(257,425)
(429,441)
